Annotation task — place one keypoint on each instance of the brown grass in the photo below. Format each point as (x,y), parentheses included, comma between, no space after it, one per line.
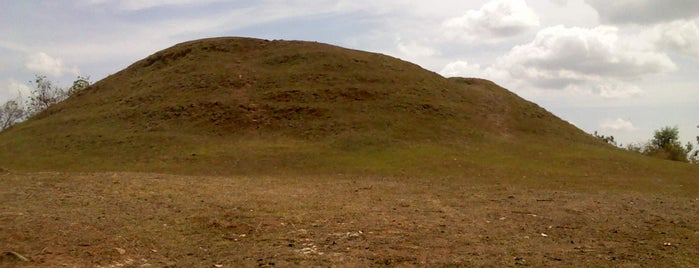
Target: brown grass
(136,220)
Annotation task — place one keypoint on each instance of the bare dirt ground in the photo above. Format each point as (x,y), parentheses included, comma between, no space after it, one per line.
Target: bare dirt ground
(154,220)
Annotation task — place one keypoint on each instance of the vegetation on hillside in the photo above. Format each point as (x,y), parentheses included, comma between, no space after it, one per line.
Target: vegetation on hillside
(665,144)
(44,94)
(11,112)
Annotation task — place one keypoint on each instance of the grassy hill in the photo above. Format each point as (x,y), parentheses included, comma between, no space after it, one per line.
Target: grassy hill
(250,106)
(330,158)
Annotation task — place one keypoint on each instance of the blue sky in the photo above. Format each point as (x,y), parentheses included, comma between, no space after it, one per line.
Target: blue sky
(623,67)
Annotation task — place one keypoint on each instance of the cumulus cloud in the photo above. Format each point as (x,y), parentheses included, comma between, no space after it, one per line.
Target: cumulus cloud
(644,11)
(44,64)
(681,36)
(496,20)
(583,59)
(617,124)
(461,69)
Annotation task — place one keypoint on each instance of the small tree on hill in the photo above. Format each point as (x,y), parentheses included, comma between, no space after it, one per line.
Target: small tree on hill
(666,136)
(81,83)
(43,95)
(666,144)
(10,113)
(694,157)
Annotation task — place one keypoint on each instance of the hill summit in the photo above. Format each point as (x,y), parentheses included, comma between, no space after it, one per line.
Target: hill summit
(243,105)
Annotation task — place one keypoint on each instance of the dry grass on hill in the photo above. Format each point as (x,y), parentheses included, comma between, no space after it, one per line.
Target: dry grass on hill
(228,104)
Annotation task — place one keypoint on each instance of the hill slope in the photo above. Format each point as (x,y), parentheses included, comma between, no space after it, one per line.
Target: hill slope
(240,105)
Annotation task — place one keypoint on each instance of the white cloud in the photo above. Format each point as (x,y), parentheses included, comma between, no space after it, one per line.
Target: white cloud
(19,88)
(496,20)
(44,64)
(12,46)
(644,11)
(11,88)
(582,59)
(617,90)
(413,50)
(681,36)
(617,124)
(607,89)
(461,69)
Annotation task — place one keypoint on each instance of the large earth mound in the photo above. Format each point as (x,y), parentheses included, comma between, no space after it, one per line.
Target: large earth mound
(241,105)
(330,157)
